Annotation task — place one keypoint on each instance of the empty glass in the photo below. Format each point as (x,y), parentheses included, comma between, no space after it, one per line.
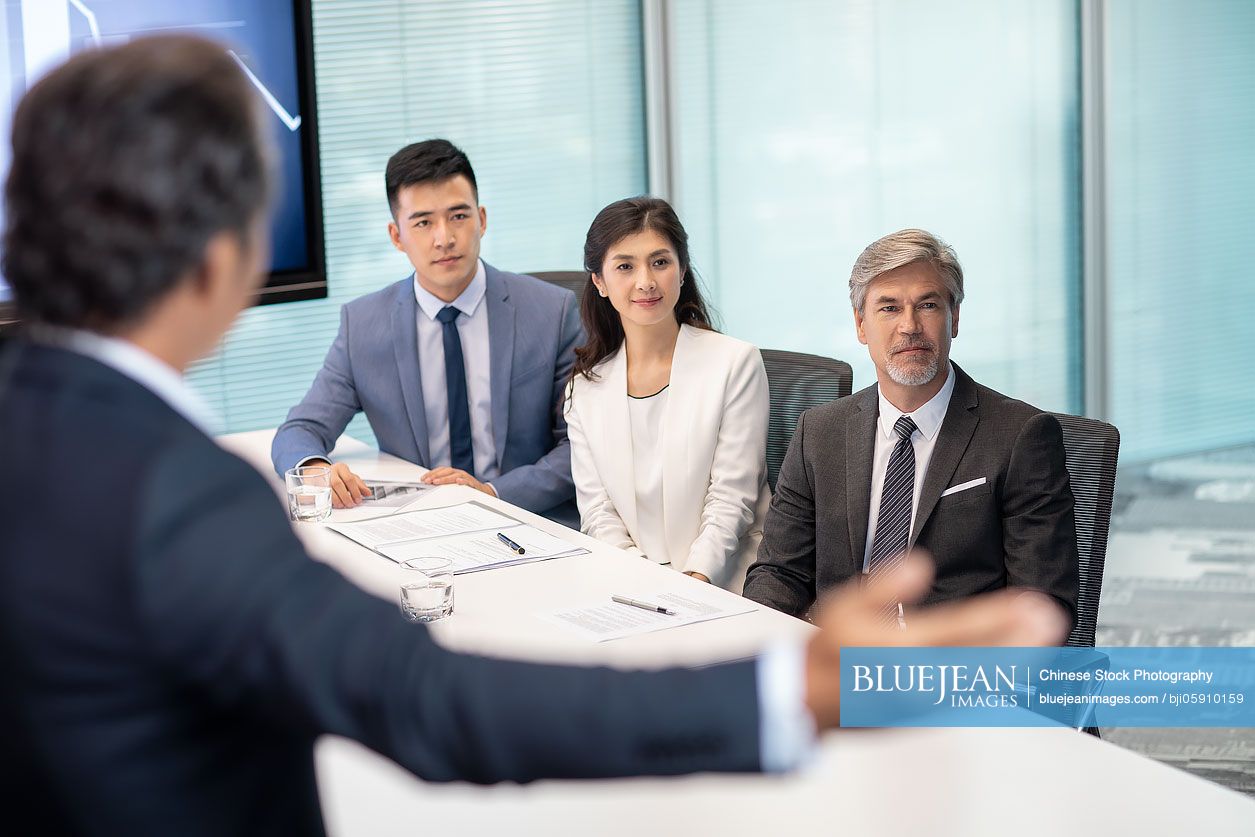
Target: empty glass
(426,589)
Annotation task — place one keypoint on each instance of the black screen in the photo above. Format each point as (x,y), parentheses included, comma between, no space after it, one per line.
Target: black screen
(272,43)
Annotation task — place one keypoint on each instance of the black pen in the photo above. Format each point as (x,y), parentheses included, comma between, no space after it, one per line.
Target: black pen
(642,605)
(511,544)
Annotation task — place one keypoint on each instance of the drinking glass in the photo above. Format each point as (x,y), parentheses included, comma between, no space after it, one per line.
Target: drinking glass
(309,492)
(426,588)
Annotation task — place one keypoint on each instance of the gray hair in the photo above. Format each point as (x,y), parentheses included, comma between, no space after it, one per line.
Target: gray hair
(902,248)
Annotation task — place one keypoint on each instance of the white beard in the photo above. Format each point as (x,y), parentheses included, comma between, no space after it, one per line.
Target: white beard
(911,374)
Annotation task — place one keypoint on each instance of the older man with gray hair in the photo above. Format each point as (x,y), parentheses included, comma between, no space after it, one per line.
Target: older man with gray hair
(926,457)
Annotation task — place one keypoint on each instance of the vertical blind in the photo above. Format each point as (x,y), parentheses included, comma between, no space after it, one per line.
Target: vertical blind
(1181,200)
(545,97)
(806,129)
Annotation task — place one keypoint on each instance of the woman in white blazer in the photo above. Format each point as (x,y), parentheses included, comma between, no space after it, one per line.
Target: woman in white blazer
(667,418)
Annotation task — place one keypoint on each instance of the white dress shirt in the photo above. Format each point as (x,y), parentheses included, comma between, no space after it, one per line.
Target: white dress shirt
(928,419)
(472,325)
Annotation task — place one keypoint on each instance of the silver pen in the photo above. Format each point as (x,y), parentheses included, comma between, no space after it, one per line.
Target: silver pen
(642,605)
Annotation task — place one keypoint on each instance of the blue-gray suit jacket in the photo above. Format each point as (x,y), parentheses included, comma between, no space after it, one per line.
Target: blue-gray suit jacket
(373,367)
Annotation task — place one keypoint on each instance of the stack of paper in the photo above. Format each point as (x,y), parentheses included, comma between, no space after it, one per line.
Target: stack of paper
(466,534)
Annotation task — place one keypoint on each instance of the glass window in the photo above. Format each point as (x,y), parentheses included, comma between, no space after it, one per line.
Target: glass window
(1181,201)
(806,129)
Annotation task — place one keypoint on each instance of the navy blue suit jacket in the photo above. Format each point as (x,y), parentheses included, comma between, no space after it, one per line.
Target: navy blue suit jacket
(373,367)
(170,653)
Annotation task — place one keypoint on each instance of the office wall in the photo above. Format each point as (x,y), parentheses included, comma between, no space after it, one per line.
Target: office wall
(807,129)
(546,99)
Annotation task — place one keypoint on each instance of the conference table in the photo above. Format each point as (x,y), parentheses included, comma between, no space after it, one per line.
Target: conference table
(884,782)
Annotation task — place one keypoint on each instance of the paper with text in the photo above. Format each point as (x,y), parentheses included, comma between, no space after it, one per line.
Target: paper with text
(474,551)
(604,621)
(422,524)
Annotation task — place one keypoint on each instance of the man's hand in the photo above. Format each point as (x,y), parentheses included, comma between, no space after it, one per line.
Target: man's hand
(854,615)
(452,476)
(347,488)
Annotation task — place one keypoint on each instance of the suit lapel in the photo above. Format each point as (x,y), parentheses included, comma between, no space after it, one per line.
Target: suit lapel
(952,441)
(678,494)
(501,354)
(405,327)
(616,438)
(860,448)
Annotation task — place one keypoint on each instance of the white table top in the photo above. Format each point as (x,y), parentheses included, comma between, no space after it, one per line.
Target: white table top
(942,781)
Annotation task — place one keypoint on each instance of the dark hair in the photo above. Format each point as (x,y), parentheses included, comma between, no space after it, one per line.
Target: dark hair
(615,223)
(430,161)
(126,162)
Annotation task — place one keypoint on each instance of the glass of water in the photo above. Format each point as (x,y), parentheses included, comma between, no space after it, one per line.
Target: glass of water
(426,589)
(309,492)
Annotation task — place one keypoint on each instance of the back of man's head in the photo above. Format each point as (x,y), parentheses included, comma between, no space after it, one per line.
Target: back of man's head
(126,162)
(429,161)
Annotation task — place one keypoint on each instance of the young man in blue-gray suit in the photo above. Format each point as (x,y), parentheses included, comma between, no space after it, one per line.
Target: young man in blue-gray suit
(459,367)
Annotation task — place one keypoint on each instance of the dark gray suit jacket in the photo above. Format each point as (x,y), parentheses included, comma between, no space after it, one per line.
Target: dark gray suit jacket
(169,653)
(1015,530)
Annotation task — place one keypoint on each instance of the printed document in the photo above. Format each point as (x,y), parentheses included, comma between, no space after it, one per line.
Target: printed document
(468,534)
(606,620)
(421,524)
(393,494)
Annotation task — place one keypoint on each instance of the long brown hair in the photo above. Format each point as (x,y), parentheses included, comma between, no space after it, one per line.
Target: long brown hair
(613,224)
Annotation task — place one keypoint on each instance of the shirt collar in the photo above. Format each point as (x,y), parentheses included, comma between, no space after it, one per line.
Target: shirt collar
(466,302)
(927,418)
(153,374)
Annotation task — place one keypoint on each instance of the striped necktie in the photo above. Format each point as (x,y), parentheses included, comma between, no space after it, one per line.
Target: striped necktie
(893,526)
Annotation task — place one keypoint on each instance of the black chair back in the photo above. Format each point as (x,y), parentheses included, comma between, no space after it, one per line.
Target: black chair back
(573,280)
(1092,449)
(798,382)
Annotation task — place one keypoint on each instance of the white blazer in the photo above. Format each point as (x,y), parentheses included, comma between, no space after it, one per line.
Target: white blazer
(714,441)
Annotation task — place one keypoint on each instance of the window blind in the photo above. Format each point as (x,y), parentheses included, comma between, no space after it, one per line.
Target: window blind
(1181,211)
(544,96)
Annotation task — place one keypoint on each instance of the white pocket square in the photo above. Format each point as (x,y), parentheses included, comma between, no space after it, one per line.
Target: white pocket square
(963,486)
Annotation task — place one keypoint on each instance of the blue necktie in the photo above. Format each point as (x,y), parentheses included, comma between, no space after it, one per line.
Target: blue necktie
(461,454)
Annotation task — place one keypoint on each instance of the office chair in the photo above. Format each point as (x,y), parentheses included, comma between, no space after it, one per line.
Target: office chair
(573,280)
(797,382)
(1092,448)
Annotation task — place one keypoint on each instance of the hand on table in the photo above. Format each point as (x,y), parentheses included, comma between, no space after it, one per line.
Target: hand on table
(853,615)
(695,574)
(453,476)
(347,488)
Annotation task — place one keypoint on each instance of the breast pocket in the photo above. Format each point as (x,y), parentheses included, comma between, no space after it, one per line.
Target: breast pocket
(967,496)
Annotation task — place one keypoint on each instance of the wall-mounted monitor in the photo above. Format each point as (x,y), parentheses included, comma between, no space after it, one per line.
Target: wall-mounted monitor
(272,42)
